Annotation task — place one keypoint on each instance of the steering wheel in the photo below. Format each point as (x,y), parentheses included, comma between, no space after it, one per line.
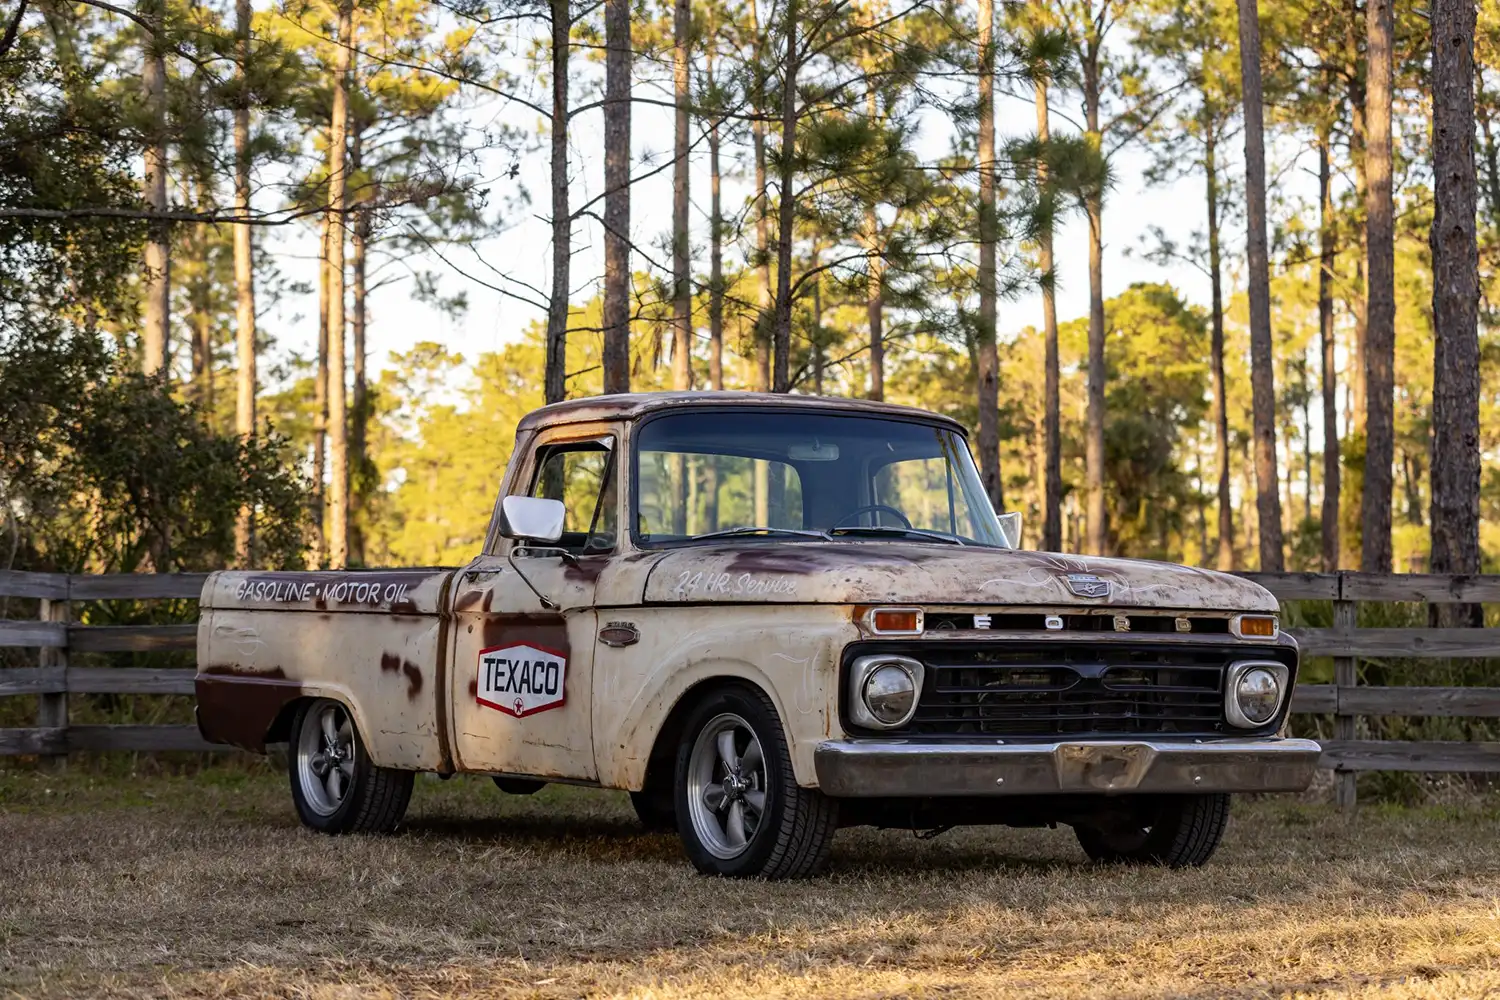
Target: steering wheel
(872,508)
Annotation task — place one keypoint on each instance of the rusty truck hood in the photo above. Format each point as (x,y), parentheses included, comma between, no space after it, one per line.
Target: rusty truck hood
(935,574)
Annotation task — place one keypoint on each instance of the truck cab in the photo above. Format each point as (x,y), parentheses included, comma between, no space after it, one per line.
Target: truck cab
(765,617)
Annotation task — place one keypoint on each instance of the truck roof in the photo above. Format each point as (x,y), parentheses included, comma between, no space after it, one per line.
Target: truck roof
(630,405)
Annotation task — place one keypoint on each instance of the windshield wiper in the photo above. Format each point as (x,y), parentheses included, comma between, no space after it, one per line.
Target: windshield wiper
(750,530)
(886,529)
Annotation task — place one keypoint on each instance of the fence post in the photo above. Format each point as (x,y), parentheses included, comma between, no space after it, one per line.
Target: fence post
(1345,675)
(52,707)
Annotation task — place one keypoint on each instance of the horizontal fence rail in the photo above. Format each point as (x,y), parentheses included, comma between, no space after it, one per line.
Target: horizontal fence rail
(56,636)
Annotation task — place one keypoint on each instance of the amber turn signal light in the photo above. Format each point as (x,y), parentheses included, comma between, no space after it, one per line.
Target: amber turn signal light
(1256,627)
(895,621)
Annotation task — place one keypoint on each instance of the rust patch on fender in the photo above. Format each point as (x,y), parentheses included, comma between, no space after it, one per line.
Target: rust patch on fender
(235,670)
(469,598)
(390,663)
(240,708)
(585,570)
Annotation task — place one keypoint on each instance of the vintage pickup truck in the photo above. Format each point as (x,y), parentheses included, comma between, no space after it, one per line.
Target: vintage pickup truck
(765,617)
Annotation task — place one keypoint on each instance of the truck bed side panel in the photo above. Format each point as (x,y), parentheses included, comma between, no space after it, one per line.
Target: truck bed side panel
(373,640)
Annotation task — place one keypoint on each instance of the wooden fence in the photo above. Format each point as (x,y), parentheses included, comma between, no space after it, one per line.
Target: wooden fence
(56,635)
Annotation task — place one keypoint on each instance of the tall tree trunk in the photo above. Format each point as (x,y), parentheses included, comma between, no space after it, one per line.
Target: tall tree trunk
(1326,254)
(762,380)
(1358,304)
(320,399)
(1455,302)
(158,262)
(244,271)
(987,369)
(1307,464)
(874,273)
(715,274)
(1380,335)
(616,364)
(617,275)
(815,334)
(786,216)
(1262,377)
(682,291)
(1052,405)
(1093,447)
(359,414)
(199,288)
(1224,558)
(338,416)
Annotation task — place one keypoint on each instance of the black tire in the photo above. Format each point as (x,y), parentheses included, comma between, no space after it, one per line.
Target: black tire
(374,799)
(654,808)
(793,832)
(1177,831)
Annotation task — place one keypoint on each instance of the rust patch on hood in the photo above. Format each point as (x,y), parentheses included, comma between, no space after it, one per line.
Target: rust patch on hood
(869,572)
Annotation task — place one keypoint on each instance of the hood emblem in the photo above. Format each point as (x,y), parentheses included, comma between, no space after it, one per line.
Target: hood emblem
(1087,585)
(619,634)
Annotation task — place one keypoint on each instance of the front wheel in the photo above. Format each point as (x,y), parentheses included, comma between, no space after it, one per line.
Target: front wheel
(1178,831)
(334,785)
(740,811)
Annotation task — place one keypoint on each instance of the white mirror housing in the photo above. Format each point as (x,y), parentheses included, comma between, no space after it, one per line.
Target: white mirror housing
(532,519)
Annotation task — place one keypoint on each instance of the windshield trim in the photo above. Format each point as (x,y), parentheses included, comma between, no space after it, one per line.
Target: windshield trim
(633,494)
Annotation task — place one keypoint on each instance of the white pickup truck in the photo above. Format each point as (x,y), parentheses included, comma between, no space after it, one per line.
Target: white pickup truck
(765,617)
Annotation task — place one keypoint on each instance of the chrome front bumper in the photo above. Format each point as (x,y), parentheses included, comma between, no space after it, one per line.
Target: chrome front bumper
(857,768)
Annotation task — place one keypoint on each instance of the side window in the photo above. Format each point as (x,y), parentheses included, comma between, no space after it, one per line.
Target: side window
(581,475)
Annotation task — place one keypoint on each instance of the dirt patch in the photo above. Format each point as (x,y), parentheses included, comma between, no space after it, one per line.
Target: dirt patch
(207,887)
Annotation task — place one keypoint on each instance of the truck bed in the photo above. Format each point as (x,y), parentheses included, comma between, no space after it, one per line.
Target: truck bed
(374,639)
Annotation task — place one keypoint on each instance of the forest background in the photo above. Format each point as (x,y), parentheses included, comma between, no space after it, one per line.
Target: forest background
(208,212)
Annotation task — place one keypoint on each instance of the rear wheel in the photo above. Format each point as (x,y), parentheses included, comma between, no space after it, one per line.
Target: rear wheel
(334,785)
(1177,831)
(739,809)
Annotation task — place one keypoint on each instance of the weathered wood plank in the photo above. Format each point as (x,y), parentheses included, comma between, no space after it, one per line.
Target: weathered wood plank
(1393,755)
(1472,702)
(46,635)
(1398,642)
(129,680)
(1315,699)
(131,638)
(1435,589)
(135,586)
(49,586)
(141,738)
(1298,586)
(32,680)
(43,742)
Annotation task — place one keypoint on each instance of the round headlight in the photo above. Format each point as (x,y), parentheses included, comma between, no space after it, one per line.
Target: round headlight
(1258,694)
(890,693)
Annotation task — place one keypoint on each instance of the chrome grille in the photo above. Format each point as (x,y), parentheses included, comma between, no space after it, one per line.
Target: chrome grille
(1055,689)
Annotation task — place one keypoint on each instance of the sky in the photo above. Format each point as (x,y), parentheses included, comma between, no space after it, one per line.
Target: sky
(397,321)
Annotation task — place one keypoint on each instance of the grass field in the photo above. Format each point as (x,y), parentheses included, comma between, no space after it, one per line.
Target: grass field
(206,887)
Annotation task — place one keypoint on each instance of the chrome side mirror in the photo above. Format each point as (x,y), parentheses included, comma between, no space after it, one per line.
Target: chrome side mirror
(532,519)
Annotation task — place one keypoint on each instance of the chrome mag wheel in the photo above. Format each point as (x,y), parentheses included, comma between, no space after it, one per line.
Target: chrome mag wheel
(726,785)
(325,758)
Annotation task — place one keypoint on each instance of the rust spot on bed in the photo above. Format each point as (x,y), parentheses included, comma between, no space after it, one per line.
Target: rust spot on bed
(390,663)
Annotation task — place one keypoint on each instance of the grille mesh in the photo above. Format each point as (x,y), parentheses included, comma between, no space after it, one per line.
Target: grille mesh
(1059,689)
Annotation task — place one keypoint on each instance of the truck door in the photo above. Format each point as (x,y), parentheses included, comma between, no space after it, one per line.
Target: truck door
(523,650)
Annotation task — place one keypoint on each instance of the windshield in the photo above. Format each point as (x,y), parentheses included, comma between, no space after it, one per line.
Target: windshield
(806,475)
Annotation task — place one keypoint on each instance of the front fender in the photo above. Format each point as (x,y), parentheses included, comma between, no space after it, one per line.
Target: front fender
(793,659)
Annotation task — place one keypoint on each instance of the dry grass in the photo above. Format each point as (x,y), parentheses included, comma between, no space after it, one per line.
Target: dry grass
(206,887)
